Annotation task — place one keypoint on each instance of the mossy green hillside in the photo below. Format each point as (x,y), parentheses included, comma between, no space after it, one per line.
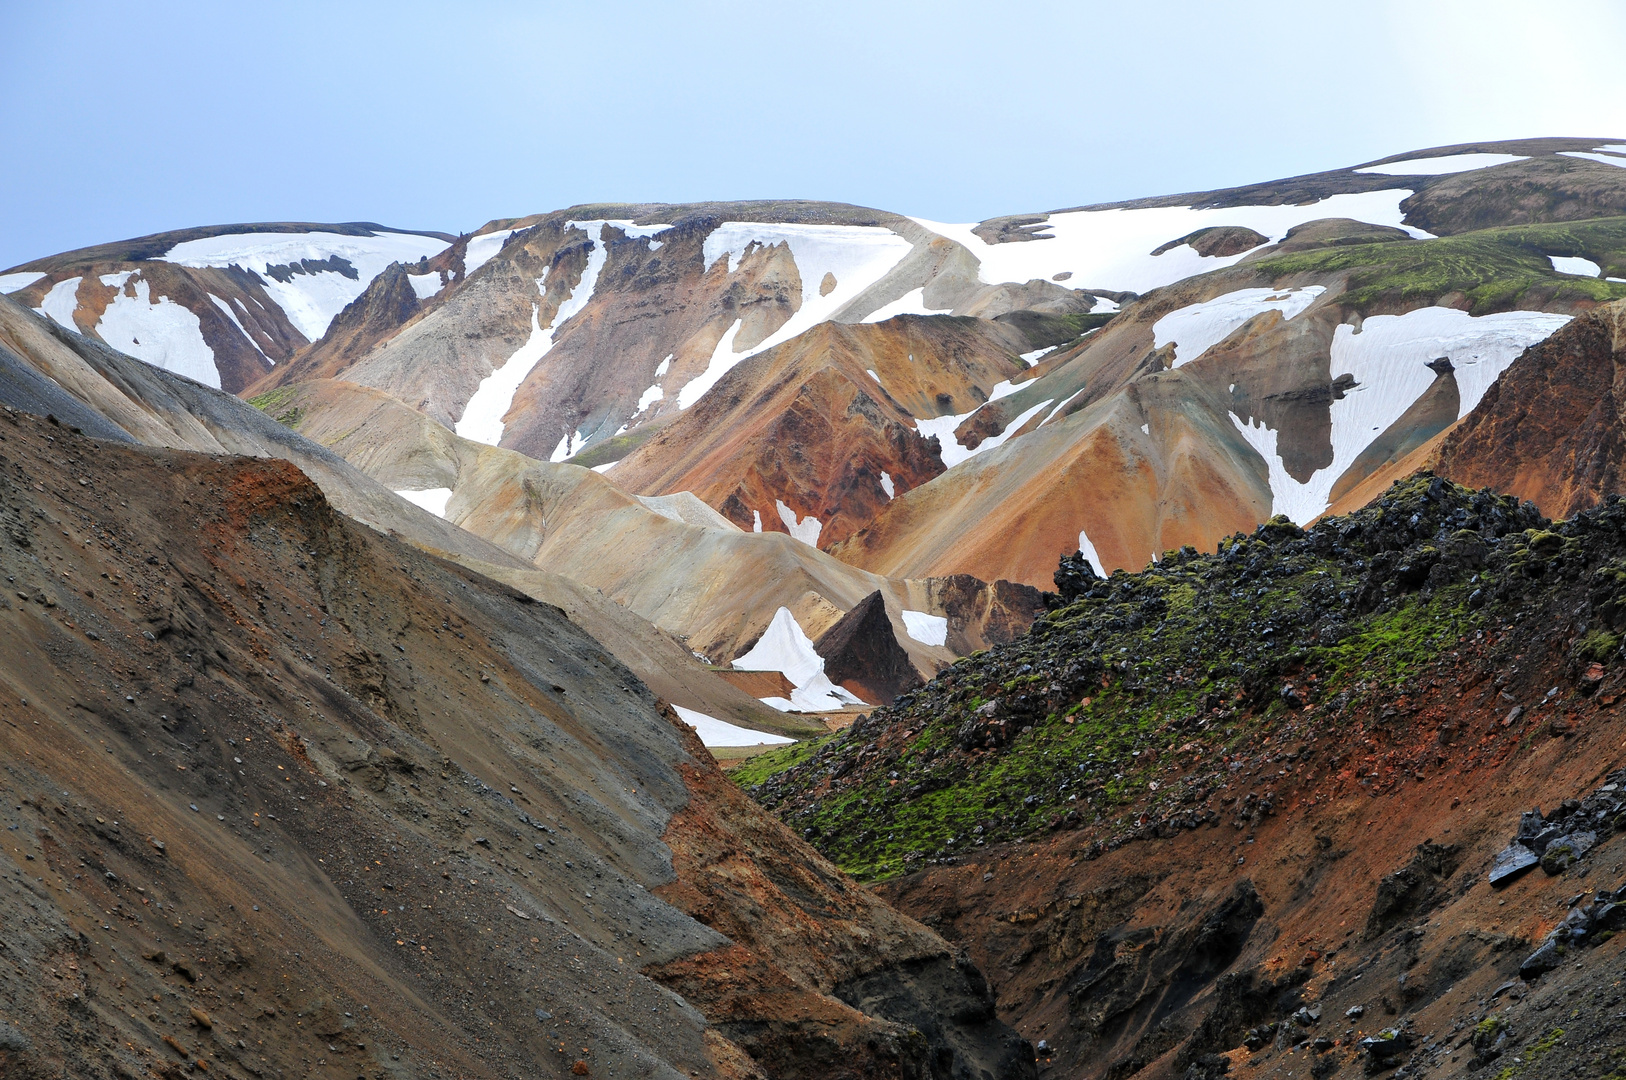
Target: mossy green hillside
(1495,268)
(1131,703)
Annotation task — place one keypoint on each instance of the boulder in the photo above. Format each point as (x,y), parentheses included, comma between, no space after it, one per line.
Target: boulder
(1510,862)
(862,654)
(1565,851)
(1550,955)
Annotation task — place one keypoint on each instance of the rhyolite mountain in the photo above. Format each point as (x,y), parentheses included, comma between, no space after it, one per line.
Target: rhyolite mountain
(307,772)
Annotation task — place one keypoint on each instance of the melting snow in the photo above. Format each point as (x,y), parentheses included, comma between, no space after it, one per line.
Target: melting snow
(807,530)
(912,302)
(232,315)
(952,451)
(756,521)
(648,398)
(431,499)
(161,332)
(857,256)
(1440,166)
(1103,304)
(871,373)
(1088,550)
(1388,359)
(1029,358)
(886,484)
(569,446)
(784,648)
(481,248)
(715,732)
(664,366)
(924,628)
(10,283)
(606,467)
(1606,159)
(1146,429)
(1068,400)
(1574,265)
(723,358)
(1199,327)
(482,418)
(425,285)
(60,302)
(1111,249)
(309,300)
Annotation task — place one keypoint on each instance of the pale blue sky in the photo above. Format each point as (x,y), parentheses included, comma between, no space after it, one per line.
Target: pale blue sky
(124,119)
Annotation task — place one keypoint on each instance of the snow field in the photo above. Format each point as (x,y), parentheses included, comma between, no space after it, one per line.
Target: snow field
(59,303)
(482,418)
(159,332)
(857,256)
(431,499)
(951,450)
(715,732)
(10,283)
(1389,360)
(1604,159)
(1440,166)
(1111,249)
(912,302)
(480,249)
(424,285)
(1199,327)
(309,300)
(925,628)
(784,648)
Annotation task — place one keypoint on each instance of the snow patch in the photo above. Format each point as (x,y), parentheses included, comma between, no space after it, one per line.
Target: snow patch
(10,283)
(569,446)
(1606,159)
(887,485)
(1440,166)
(309,300)
(1031,358)
(648,398)
(912,302)
(1103,304)
(723,358)
(952,451)
(1199,327)
(424,285)
(159,332)
(482,419)
(924,628)
(1068,400)
(1111,249)
(1388,359)
(60,302)
(1146,429)
(807,530)
(1087,549)
(784,648)
(606,467)
(226,310)
(431,499)
(756,521)
(715,732)
(664,366)
(1575,265)
(481,248)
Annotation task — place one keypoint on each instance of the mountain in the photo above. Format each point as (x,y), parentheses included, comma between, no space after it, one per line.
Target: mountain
(1325,802)
(284,792)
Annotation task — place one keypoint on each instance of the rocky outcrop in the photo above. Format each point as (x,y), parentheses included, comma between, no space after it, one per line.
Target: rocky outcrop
(861,652)
(1552,429)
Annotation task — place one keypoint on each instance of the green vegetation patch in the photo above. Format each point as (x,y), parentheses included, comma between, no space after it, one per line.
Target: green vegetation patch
(273,403)
(1494,268)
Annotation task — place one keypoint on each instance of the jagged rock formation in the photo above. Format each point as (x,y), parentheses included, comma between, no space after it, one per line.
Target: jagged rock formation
(861,652)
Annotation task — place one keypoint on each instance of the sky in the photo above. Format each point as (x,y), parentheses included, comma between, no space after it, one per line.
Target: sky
(119,120)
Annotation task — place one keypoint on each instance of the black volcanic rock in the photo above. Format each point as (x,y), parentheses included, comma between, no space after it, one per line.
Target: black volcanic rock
(862,652)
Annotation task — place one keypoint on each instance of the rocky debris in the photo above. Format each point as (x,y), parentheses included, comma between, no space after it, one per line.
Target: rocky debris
(1383,1050)
(1559,842)
(861,652)
(1587,921)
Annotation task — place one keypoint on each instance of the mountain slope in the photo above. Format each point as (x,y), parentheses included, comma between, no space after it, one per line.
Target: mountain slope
(1238,811)
(271,779)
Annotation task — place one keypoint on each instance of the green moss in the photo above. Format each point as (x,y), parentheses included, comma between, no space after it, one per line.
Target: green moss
(272,401)
(1597,645)
(1494,268)
(614,449)
(1532,1054)
(764,765)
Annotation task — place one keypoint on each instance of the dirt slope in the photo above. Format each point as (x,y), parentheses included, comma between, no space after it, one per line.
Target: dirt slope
(286,796)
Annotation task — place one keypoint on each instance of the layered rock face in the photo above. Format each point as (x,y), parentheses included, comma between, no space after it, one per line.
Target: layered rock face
(286,794)
(1552,429)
